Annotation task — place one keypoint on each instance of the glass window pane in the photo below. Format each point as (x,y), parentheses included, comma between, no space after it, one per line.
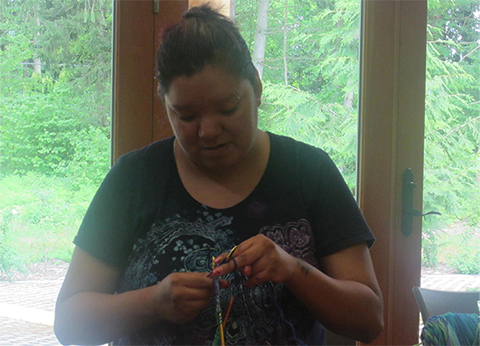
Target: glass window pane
(307,54)
(55,112)
(451,243)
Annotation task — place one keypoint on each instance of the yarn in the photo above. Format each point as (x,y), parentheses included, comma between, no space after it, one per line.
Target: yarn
(238,280)
(283,319)
(452,329)
(219,335)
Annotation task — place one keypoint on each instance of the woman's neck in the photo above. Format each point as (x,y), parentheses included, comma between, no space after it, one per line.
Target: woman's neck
(223,188)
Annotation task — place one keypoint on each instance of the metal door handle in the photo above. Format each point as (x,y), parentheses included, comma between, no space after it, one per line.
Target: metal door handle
(407,203)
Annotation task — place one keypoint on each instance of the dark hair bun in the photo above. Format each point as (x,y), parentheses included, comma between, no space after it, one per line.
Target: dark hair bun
(203,37)
(201,12)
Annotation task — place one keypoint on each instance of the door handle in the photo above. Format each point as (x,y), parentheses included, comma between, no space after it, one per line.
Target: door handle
(407,203)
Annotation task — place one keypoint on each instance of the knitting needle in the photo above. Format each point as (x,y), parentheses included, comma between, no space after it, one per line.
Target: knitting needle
(230,254)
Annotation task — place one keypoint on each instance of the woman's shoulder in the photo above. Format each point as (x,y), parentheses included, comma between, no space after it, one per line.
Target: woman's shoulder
(147,163)
(288,148)
(156,150)
(152,157)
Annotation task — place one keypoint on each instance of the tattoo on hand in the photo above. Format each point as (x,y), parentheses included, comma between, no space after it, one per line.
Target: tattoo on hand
(303,267)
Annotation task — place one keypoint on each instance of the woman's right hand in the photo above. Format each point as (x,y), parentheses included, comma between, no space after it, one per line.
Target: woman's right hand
(182,296)
(88,312)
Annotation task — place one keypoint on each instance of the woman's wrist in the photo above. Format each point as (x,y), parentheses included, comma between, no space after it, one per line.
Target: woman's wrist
(152,304)
(299,272)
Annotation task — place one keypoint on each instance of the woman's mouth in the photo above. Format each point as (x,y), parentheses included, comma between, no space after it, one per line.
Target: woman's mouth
(216,147)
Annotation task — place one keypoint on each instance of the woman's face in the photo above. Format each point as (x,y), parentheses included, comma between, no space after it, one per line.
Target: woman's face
(214,116)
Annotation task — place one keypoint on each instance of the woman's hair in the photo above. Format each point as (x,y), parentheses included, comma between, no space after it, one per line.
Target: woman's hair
(203,37)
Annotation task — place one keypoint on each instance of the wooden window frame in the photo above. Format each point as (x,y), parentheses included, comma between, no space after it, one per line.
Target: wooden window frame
(391,134)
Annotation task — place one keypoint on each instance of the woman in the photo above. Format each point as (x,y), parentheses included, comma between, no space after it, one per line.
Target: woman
(141,272)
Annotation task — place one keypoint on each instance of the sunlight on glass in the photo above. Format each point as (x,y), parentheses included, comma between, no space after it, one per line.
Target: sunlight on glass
(451,243)
(55,84)
(307,55)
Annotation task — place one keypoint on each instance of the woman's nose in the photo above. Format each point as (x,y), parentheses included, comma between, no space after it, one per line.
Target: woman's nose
(209,126)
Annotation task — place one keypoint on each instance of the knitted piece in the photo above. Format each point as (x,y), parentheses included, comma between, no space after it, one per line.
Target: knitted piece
(451,329)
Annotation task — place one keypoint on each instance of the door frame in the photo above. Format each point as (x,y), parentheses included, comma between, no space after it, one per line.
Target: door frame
(391,135)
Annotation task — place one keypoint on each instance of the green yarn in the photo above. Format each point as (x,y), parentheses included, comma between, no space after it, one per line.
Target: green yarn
(451,329)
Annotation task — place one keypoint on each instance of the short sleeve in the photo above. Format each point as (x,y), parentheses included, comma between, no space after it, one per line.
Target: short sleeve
(127,202)
(335,216)
(106,231)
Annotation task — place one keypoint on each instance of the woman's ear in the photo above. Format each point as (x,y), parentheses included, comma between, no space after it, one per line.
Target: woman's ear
(257,88)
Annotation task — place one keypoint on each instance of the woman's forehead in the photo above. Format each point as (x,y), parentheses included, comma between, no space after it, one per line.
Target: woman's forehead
(211,83)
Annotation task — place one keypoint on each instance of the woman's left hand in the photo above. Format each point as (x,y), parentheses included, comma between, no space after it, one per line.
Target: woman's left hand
(260,260)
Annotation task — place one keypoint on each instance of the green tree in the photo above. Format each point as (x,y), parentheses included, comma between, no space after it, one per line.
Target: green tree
(55,100)
(452,117)
(43,110)
(310,73)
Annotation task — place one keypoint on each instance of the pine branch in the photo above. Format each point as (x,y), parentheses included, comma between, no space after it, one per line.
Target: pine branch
(462,126)
(466,56)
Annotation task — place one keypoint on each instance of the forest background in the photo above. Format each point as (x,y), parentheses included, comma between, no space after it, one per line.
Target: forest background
(55,112)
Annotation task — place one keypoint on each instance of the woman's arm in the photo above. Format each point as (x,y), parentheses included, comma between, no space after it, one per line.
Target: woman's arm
(89,312)
(344,296)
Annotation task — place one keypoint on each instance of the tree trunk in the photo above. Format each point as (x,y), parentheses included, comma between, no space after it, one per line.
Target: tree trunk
(478,166)
(260,37)
(37,66)
(285,32)
(348,100)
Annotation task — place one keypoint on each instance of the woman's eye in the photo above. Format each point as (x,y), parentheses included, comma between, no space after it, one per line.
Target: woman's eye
(229,111)
(183,116)
(187,118)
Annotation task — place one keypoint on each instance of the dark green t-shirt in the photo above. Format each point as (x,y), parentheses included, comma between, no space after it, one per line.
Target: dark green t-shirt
(144,220)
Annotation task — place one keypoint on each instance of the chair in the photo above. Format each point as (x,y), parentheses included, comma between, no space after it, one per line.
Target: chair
(434,302)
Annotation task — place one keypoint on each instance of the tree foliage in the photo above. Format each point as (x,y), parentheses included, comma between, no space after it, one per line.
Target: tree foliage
(452,115)
(55,63)
(311,73)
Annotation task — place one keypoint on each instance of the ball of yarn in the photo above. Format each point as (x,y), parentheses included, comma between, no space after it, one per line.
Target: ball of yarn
(453,329)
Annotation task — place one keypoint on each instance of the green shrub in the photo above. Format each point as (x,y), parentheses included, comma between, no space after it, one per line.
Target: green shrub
(430,247)
(463,252)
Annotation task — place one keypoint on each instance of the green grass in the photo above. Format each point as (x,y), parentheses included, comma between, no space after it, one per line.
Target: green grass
(39,216)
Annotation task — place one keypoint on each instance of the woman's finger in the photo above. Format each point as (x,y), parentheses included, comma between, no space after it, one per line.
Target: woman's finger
(244,256)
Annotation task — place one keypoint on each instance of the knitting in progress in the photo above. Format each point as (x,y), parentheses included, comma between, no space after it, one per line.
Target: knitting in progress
(219,339)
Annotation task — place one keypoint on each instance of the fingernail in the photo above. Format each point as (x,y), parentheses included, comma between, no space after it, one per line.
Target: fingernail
(218,260)
(224,284)
(217,271)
